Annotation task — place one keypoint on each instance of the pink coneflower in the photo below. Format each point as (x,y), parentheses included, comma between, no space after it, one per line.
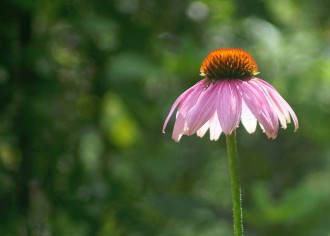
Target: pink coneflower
(228,94)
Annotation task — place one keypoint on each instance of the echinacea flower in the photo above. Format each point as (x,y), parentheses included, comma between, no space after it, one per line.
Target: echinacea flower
(228,94)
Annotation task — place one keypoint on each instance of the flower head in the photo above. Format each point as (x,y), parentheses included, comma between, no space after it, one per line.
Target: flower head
(228,94)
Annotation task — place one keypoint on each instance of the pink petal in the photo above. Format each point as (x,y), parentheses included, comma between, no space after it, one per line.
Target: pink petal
(282,113)
(203,110)
(191,100)
(283,107)
(194,89)
(248,120)
(229,105)
(260,106)
(215,129)
(179,128)
(202,131)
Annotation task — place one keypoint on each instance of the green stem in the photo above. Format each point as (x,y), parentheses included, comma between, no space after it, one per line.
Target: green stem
(235,183)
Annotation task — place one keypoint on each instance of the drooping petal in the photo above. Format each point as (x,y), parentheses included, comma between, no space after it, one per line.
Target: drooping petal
(191,100)
(215,129)
(179,127)
(202,131)
(192,90)
(176,103)
(283,108)
(283,114)
(229,105)
(248,120)
(203,110)
(258,103)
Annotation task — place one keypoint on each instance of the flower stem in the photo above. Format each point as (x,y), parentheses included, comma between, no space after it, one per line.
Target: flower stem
(235,183)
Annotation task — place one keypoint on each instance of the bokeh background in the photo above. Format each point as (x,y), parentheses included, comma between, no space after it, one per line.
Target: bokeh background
(85,87)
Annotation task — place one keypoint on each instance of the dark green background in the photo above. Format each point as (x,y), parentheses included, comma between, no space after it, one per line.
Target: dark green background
(85,87)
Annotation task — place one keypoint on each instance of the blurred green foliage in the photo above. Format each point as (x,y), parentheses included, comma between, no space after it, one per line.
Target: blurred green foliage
(85,87)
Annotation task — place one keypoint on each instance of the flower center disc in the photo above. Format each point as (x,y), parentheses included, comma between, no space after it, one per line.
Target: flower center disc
(229,63)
